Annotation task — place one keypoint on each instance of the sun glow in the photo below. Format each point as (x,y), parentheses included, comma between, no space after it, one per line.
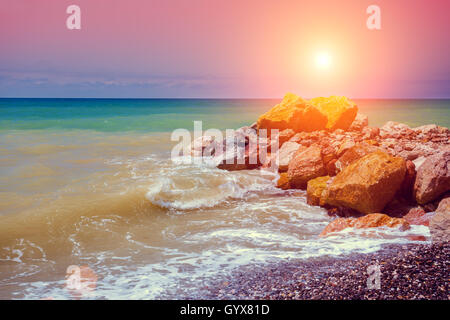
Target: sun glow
(323,60)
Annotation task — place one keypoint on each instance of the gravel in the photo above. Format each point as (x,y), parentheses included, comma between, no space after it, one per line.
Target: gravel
(406,272)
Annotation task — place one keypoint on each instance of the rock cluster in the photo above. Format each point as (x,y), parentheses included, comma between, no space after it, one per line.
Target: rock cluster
(347,166)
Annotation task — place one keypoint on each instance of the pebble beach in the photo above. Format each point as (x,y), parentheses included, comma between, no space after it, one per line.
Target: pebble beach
(408,272)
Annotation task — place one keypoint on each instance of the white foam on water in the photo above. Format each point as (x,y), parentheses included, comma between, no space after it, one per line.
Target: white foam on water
(185,273)
(188,187)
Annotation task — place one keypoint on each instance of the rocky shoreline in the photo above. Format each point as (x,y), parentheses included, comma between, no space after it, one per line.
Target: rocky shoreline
(393,176)
(407,272)
(366,177)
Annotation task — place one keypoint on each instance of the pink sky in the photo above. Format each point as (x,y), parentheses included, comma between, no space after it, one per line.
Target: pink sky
(224,49)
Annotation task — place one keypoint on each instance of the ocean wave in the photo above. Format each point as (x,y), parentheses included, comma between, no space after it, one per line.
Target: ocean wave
(189,187)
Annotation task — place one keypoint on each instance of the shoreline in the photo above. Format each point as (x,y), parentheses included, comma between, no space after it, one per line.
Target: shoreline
(408,272)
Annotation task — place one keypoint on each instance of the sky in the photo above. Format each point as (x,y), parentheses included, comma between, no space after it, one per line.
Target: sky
(225,49)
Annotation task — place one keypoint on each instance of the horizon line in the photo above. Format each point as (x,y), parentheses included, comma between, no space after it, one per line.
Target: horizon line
(219,98)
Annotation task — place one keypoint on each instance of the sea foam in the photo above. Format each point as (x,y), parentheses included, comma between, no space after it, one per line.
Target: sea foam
(189,187)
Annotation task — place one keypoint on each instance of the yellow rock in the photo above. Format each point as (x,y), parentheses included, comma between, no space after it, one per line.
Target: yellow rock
(367,184)
(315,191)
(293,113)
(339,110)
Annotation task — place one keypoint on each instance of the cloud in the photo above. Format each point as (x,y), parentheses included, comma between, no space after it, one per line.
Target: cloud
(73,84)
(111,81)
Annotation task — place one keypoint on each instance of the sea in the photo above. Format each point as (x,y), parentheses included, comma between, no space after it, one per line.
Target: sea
(90,183)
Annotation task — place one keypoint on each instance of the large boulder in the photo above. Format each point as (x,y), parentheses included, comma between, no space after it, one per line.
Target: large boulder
(293,113)
(339,110)
(367,184)
(433,177)
(306,164)
(373,220)
(315,191)
(440,222)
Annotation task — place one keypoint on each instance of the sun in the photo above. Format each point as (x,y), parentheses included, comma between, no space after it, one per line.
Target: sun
(323,60)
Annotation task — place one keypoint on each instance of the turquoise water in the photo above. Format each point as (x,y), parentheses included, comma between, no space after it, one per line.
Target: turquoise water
(163,115)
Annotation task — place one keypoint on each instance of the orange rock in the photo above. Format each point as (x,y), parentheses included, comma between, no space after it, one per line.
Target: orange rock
(293,113)
(283,181)
(339,110)
(367,184)
(372,220)
(305,165)
(315,190)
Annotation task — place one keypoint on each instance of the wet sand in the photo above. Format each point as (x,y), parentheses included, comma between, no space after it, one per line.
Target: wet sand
(407,272)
